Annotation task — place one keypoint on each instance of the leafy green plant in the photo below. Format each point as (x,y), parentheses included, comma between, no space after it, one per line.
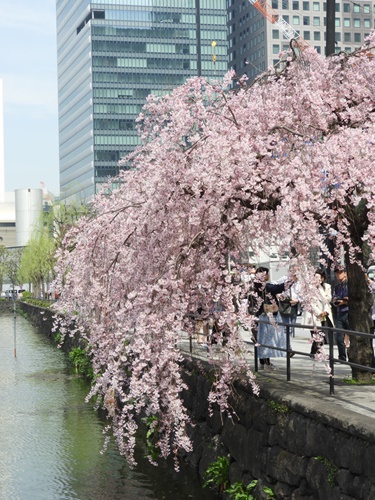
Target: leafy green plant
(278,407)
(217,474)
(151,436)
(37,302)
(269,492)
(238,491)
(81,361)
(57,337)
(331,470)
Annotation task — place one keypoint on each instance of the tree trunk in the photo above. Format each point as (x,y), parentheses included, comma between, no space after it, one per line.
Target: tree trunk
(360,305)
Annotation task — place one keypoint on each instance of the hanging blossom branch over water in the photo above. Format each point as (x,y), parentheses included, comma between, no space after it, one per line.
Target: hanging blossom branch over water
(289,159)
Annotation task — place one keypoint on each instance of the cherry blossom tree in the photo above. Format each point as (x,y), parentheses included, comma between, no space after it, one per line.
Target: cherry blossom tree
(288,159)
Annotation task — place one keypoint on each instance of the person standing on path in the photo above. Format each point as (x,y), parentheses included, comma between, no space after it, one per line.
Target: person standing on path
(340,301)
(292,297)
(269,333)
(322,309)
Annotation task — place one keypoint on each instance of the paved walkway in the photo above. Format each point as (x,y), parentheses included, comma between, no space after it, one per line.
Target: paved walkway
(352,405)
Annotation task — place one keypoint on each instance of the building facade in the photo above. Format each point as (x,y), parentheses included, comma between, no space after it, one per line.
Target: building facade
(111,55)
(255,43)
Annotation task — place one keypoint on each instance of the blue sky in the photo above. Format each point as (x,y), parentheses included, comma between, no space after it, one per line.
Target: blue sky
(29,73)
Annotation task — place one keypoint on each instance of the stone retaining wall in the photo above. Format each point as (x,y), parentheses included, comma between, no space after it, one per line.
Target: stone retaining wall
(300,452)
(42,319)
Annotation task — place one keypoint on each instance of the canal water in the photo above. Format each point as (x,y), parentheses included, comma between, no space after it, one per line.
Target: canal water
(50,439)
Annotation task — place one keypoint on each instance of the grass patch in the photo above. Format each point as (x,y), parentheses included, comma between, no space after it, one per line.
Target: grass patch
(352,381)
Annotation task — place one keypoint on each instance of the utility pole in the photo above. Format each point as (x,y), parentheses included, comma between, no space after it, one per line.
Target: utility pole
(330,27)
(330,49)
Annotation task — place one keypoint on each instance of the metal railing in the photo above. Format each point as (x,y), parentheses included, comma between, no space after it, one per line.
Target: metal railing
(331,359)
(288,328)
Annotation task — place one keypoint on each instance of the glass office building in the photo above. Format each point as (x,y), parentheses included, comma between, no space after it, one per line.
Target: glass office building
(255,43)
(111,55)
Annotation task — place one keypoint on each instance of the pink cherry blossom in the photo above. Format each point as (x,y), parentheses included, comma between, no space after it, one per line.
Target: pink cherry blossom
(288,160)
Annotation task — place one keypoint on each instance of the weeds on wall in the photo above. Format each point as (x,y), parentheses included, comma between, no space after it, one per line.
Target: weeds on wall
(217,475)
(331,470)
(81,362)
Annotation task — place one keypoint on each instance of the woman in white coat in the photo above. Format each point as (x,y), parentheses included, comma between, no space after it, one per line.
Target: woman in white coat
(322,308)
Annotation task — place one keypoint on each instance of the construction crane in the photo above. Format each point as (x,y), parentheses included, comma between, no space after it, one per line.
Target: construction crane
(268,12)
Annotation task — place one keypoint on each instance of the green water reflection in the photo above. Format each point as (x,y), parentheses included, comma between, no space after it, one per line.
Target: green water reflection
(50,439)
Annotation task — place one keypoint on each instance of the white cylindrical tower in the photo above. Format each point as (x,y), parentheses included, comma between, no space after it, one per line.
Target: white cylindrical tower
(28,213)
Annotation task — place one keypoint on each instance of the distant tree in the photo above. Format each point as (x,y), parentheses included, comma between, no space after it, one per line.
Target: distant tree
(289,159)
(39,259)
(13,266)
(3,257)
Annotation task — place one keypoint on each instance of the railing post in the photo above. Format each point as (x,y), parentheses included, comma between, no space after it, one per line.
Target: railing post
(331,363)
(288,353)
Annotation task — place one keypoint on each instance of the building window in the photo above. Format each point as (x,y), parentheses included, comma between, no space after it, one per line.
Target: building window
(357,37)
(318,49)
(306,5)
(316,21)
(286,19)
(316,6)
(285,4)
(275,4)
(366,23)
(337,37)
(366,9)
(357,23)
(346,7)
(356,8)
(276,34)
(306,20)
(337,22)
(337,7)
(275,49)
(296,20)
(347,37)
(317,36)
(306,35)
(346,23)
(295,5)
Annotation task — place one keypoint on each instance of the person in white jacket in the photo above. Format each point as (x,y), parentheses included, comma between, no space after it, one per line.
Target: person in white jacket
(322,308)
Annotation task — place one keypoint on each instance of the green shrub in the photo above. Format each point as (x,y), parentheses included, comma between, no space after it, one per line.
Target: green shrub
(217,474)
(81,362)
(152,436)
(37,302)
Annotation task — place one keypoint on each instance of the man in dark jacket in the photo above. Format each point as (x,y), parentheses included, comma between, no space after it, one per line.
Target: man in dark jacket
(340,301)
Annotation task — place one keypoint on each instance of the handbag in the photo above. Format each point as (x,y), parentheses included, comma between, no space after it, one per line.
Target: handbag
(271,308)
(285,307)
